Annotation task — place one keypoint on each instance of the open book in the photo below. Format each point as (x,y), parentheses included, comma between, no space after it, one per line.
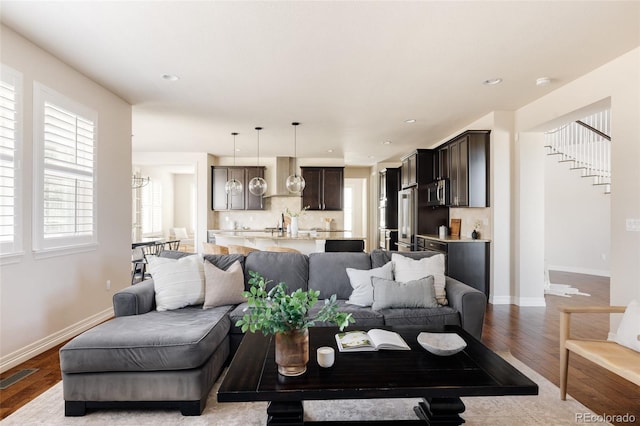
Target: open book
(374,339)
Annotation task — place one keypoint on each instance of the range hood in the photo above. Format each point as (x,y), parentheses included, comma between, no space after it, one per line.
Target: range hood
(277,179)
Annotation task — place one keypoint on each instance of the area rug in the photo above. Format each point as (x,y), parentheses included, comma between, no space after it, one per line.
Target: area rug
(543,409)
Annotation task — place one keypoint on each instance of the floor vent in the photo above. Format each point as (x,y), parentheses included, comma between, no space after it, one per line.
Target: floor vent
(5,383)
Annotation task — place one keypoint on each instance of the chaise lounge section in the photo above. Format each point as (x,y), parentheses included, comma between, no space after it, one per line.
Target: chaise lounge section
(170,359)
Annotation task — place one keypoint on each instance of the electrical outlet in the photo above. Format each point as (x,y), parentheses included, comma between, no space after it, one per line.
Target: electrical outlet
(108,285)
(633,225)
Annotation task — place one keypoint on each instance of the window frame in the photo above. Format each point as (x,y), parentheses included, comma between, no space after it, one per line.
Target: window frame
(11,252)
(51,246)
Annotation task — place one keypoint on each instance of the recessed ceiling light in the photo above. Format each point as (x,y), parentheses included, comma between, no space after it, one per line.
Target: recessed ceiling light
(543,81)
(237,149)
(411,120)
(386,143)
(329,150)
(492,81)
(170,77)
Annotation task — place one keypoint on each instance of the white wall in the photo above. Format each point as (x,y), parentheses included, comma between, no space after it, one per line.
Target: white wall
(45,301)
(618,80)
(577,217)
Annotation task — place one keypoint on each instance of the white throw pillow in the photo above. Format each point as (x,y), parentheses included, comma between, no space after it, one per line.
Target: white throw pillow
(360,280)
(406,269)
(178,282)
(223,287)
(629,328)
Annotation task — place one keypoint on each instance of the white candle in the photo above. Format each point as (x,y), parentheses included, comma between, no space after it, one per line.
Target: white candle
(326,356)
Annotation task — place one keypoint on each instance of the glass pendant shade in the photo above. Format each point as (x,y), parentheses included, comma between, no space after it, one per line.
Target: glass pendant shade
(257,186)
(233,186)
(295,183)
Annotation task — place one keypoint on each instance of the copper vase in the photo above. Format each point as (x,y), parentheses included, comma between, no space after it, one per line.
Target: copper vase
(292,352)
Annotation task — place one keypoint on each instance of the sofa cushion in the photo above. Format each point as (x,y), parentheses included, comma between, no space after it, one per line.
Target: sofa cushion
(379,257)
(360,279)
(364,316)
(169,340)
(223,287)
(437,317)
(178,282)
(411,294)
(223,261)
(290,268)
(328,272)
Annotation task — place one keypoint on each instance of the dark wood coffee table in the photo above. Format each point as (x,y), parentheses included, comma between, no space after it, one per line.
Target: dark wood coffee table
(440,381)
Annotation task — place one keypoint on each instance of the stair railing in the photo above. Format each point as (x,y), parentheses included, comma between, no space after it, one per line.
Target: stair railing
(586,144)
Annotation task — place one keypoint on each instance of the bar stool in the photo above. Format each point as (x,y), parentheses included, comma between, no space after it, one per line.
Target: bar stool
(240,249)
(210,248)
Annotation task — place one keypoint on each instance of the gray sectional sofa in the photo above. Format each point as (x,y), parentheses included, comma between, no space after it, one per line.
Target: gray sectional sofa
(148,358)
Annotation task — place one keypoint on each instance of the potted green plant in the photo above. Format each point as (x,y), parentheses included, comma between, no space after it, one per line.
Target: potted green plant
(287,317)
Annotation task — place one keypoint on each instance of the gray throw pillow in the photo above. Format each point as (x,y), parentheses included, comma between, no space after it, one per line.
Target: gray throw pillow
(411,294)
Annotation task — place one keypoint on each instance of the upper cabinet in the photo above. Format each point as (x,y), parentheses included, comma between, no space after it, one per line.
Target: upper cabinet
(324,187)
(245,200)
(417,167)
(464,160)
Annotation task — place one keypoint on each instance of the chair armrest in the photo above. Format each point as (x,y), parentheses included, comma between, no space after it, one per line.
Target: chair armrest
(565,317)
(592,309)
(135,300)
(470,303)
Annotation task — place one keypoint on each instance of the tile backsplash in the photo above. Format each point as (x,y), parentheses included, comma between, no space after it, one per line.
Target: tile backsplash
(469,217)
(274,206)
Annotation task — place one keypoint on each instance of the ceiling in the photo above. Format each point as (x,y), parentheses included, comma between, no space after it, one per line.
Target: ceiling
(350,72)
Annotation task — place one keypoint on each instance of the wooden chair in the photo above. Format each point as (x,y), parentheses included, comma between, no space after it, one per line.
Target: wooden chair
(233,249)
(607,354)
(172,245)
(210,248)
(282,249)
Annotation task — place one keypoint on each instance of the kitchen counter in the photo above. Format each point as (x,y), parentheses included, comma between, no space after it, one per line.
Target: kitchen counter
(450,239)
(306,242)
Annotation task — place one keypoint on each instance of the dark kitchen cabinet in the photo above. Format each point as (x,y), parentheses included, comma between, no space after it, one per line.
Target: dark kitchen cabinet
(245,200)
(324,187)
(417,167)
(464,160)
(388,187)
(467,262)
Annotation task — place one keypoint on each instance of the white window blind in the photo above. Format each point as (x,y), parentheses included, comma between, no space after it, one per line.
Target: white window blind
(10,149)
(67,211)
(151,208)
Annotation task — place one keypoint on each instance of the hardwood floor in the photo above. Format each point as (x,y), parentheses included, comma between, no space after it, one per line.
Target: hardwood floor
(530,333)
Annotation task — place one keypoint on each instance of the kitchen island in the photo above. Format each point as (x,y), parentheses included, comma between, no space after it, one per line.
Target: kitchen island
(307,241)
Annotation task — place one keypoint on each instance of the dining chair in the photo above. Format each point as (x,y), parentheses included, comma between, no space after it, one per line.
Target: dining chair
(210,248)
(282,249)
(172,245)
(233,249)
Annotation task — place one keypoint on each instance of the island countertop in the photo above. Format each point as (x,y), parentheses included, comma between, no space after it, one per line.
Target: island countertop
(274,235)
(450,239)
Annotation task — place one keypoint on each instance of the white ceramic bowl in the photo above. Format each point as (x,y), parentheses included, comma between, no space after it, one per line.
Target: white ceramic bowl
(441,343)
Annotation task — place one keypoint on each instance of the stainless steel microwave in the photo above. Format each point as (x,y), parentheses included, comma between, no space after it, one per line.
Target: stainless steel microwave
(438,193)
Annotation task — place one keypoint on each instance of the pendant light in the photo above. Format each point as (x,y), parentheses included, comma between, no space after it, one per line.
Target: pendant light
(233,185)
(295,183)
(257,185)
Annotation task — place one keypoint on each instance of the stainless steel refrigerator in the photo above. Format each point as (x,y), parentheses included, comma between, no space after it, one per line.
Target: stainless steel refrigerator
(407,215)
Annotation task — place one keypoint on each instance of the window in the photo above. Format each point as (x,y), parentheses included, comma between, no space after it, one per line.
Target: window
(65,155)
(151,208)
(10,156)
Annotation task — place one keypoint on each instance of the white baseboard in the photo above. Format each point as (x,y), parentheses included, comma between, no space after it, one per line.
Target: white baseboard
(519,301)
(44,344)
(580,270)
